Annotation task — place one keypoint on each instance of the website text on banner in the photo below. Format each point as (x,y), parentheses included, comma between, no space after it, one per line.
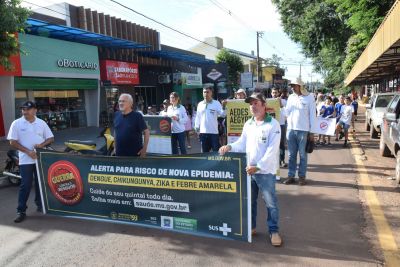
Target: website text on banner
(197,194)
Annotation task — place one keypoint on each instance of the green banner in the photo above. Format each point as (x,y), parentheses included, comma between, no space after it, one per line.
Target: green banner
(201,194)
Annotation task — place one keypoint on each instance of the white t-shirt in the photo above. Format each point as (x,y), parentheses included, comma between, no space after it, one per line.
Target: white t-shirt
(282,118)
(300,113)
(28,135)
(207,116)
(346,112)
(163,113)
(180,112)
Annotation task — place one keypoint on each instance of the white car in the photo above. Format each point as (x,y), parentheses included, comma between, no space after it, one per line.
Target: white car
(374,112)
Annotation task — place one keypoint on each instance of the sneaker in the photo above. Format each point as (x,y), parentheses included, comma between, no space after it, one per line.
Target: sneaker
(278,178)
(302,181)
(337,139)
(341,135)
(283,164)
(289,180)
(329,144)
(345,144)
(276,239)
(20,217)
(189,147)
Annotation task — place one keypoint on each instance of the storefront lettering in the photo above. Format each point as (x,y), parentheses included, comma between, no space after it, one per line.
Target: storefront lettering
(67,63)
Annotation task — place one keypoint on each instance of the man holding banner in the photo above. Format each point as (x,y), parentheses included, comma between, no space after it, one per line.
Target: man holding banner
(260,140)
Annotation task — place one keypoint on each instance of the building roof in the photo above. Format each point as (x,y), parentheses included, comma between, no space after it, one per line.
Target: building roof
(38,27)
(381,58)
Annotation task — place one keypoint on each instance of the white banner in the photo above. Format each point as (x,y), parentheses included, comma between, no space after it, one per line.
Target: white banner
(325,126)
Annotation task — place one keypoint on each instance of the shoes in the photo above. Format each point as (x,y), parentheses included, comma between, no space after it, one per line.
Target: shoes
(276,239)
(341,135)
(329,144)
(283,164)
(278,178)
(20,217)
(289,180)
(345,144)
(189,147)
(302,181)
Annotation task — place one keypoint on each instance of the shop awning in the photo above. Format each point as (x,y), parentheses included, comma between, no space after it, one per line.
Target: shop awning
(42,28)
(176,55)
(381,58)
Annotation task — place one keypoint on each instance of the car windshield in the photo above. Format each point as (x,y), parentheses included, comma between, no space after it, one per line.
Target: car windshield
(383,101)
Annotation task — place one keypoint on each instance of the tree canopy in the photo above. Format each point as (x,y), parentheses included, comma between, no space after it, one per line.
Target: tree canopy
(12,20)
(234,63)
(333,33)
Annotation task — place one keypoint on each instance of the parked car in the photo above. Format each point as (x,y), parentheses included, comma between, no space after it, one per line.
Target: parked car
(374,112)
(390,133)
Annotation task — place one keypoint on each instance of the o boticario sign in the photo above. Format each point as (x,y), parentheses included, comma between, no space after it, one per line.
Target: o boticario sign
(68,63)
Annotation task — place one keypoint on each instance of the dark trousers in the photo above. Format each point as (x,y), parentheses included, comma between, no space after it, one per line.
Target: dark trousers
(178,138)
(282,143)
(28,174)
(208,142)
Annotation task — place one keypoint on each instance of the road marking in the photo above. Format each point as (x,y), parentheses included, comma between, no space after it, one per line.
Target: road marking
(385,235)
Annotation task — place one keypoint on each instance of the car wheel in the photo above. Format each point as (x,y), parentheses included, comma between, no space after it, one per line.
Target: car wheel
(367,126)
(383,149)
(373,134)
(398,167)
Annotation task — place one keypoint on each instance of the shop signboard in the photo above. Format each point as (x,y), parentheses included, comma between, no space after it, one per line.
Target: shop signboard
(246,80)
(198,194)
(47,57)
(188,80)
(119,72)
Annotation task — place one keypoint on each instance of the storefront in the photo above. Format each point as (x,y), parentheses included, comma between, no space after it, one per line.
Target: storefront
(117,77)
(62,78)
(189,86)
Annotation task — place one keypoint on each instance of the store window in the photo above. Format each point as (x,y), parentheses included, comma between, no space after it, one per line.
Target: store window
(60,109)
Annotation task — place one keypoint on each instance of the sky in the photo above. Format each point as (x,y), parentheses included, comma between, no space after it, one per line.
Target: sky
(208,18)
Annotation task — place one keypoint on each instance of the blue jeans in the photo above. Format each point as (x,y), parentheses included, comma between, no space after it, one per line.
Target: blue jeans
(282,143)
(265,182)
(208,142)
(28,174)
(178,138)
(297,141)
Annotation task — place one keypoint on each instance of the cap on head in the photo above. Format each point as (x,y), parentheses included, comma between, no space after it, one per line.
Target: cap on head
(29,105)
(241,90)
(255,96)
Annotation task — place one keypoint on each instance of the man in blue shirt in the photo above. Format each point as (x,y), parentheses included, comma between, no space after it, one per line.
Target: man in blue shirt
(129,128)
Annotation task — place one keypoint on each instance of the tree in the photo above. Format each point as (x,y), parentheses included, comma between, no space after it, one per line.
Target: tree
(234,63)
(274,60)
(333,33)
(12,20)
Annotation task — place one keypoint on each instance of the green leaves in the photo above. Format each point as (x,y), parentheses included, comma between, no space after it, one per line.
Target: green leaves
(333,33)
(12,20)
(234,63)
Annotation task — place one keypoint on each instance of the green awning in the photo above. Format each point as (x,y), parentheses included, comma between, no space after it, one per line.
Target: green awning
(31,83)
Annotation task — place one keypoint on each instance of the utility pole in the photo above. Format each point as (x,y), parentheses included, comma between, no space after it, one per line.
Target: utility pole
(300,72)
(259,69)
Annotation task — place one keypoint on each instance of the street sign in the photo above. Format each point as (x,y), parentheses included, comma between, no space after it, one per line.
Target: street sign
(214,74)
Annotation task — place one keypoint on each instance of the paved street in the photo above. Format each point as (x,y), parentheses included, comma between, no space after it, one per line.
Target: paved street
(322,224)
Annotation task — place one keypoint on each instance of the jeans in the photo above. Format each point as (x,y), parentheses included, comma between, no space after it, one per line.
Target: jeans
(28,174)
(265,182)
(208,142)
(178,138)
(297,141)
(282,143)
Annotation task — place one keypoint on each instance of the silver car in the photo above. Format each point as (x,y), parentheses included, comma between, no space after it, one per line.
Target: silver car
(375,109)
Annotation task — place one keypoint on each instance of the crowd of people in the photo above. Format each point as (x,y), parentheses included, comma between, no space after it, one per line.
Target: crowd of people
(262,139)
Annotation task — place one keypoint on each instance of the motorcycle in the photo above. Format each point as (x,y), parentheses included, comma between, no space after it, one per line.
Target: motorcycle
(11,171)
(89,147)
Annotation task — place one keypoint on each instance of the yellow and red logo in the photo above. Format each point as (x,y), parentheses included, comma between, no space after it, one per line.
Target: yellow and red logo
(65,182)
(165,126)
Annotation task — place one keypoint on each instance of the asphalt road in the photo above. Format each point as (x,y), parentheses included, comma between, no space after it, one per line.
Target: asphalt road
(322,224)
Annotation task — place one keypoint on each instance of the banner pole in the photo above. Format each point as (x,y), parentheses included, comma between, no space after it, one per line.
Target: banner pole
(40,184)
(249,208)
